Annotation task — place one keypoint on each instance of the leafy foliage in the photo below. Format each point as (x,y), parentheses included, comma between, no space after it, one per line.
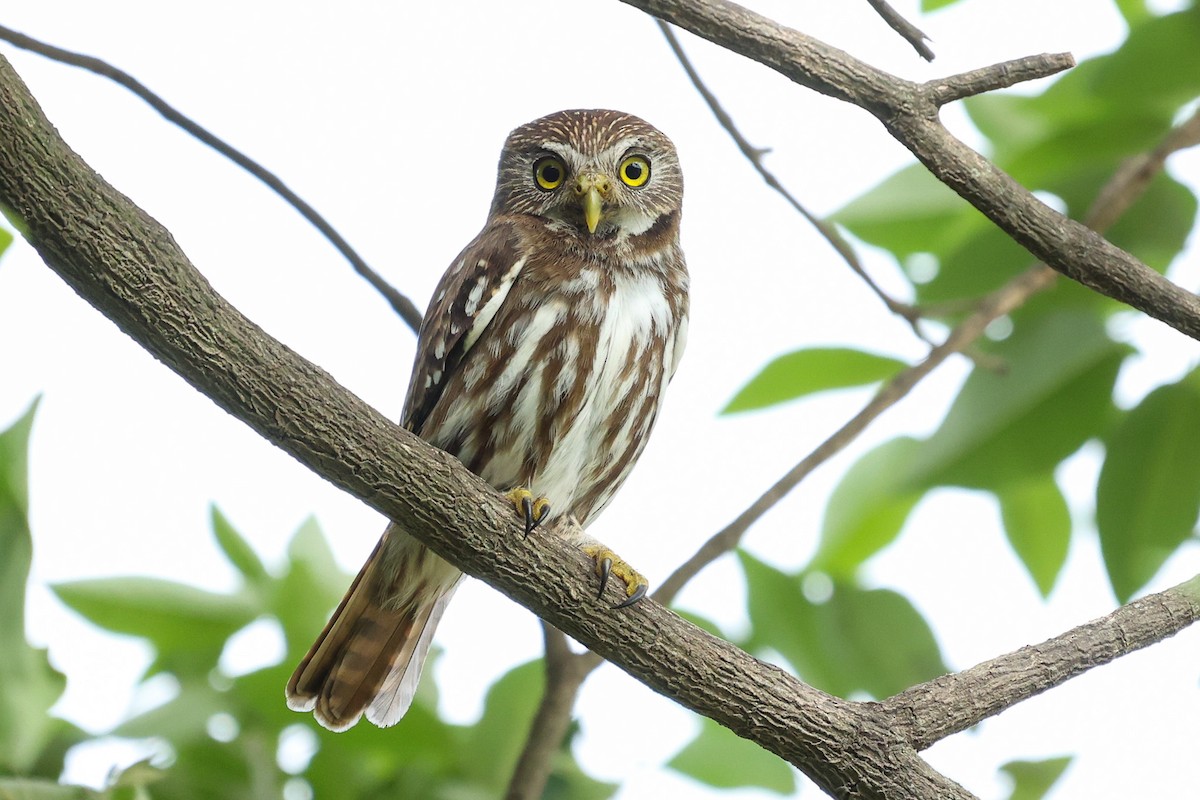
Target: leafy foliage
(32,743)
(805,372)
(720,758)
(1046,389)
(1032,780)
(1034,398)
(224,732)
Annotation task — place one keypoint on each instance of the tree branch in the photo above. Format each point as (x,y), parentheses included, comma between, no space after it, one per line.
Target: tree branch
(755,156)
(911,33)
(909,111)
(565,673)
(934,710)
(124,263)
(998,303)
(398,301)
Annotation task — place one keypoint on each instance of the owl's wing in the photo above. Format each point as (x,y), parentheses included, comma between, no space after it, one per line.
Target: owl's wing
(465,302)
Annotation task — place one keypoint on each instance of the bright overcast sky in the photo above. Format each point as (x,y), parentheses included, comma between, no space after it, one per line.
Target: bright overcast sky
(388,117)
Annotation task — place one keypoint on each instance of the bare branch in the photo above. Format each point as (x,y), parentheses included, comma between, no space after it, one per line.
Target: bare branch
(1115,198)
(911,33)
(399,302)
(126,265)
(910,113)
(565,673)
(932,711)
(998,76)
(754,156)
(998,303)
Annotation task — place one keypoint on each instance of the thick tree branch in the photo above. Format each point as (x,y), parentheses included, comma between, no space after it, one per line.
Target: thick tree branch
(128,266)
(398,301)
(910,113)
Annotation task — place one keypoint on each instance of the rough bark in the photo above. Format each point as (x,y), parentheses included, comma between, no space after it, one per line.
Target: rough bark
(128,266)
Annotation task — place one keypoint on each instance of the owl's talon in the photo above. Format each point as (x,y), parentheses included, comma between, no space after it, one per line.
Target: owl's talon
(532,509)
(609,564)
(527,508)
(604,567)
(638,594)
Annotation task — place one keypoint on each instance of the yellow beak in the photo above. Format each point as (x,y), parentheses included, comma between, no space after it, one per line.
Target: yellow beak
(592,188)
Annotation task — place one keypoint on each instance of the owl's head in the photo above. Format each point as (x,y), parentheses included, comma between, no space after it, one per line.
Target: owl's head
(602,175)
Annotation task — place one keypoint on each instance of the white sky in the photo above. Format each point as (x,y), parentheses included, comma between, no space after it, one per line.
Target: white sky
(388,118)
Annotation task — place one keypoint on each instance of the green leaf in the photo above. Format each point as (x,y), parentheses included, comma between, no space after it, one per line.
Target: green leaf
(6,238)
(868,508)
(30,789)
(808,371)
(1148,495)
(1054,395)
(31,742)
(721,758)
(176,618)
(1134,11)
(934,5)
(1033,779)
(910,212)
(857,640)
(1038,525)
(180,720)
(237,549)
(309,590)
(510,705)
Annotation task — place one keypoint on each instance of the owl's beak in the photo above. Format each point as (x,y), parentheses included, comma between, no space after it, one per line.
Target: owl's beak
(592,189)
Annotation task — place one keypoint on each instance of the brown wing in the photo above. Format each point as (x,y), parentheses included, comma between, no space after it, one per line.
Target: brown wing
(464,303)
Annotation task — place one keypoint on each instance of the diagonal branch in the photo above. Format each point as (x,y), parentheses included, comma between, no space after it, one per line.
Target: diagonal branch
(129,268)
(126,265)
(934,710)
(1000,302)
(755,156)
(909,111)
(911,33)
(398,301)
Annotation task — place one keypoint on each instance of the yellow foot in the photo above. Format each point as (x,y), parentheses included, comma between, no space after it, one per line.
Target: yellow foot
(609,563)
(532,509)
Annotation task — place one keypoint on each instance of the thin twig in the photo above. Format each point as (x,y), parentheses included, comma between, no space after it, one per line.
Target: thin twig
(923,715)
(998,76)
(911,33)
(1000,302)
(1120,192)
(565,672)
(399,302)
(754,156)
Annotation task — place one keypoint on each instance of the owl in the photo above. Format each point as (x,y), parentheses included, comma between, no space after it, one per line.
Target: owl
(540,365)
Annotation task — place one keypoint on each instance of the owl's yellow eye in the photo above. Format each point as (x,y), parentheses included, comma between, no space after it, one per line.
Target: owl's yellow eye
(635,171)
(549,173)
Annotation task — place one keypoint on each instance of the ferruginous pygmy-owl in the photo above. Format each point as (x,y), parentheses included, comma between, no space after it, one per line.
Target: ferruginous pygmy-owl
(540,365)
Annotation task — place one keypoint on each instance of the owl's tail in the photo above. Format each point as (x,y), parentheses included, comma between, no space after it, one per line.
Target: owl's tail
(370,655)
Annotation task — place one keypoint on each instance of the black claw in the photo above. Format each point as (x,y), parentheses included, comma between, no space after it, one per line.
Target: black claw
(527,507)
(637,595)
(545,513)
(605,569)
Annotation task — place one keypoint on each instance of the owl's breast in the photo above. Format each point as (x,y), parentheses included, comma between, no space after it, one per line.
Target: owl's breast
(561,394)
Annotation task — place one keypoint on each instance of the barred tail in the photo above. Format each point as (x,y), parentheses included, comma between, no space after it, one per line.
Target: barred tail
(369,657)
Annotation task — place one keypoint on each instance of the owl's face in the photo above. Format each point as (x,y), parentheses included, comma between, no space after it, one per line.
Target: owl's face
(600,175)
